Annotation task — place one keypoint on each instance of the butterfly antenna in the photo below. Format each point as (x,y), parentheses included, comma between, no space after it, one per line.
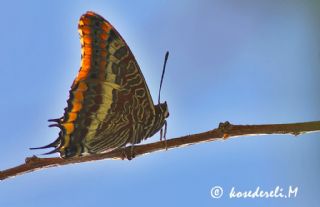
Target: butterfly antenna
(163,70)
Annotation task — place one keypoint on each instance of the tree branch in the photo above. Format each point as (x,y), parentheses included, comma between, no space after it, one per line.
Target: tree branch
(224,131)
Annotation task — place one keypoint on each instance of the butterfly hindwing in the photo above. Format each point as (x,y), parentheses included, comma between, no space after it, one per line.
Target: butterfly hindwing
(109,92)
(109,102)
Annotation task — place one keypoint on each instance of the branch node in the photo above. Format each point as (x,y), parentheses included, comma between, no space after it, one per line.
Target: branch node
(224,128)
(296,133)
(30,160)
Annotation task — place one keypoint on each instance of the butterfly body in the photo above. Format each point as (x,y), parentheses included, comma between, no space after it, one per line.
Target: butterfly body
(109,103)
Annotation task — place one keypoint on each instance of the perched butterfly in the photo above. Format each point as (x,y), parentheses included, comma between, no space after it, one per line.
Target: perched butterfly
(110,105)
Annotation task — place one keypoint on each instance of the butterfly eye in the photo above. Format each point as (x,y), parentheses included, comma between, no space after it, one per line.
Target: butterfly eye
(166,111)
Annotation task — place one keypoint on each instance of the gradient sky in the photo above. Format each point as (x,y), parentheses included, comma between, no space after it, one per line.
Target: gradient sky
(248,62)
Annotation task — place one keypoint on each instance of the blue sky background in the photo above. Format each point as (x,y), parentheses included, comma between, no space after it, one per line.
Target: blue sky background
(248,62)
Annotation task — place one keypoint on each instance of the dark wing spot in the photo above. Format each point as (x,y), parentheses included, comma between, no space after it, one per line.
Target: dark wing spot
(121,52)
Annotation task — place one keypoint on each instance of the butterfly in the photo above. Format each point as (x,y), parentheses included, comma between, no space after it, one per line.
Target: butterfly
(109,103)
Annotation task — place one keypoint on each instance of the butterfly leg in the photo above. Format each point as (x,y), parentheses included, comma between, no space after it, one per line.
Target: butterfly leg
(132,152)
(164,135)
(126,155)
(161,131)
(164,138)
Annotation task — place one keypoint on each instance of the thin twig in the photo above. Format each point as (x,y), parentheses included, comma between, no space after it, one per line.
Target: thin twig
(224,131)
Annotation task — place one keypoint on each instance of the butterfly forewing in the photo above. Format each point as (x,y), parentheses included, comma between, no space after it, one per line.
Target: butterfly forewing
(117,96)
(110,104)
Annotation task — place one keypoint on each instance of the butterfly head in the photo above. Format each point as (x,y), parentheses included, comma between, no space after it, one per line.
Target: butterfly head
(161,113)
(163,110)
